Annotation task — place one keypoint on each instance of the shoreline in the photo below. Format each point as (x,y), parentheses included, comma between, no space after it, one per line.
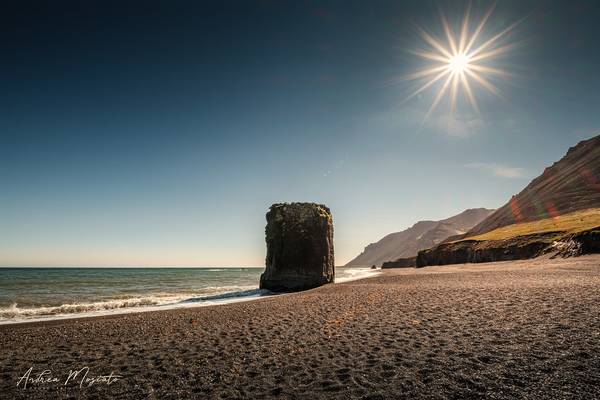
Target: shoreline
(500,330)
(208,301)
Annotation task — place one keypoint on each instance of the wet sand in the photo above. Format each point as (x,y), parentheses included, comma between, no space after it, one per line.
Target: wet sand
(524,329)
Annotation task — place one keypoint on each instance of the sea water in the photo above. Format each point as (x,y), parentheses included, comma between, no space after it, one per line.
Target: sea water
(28,294)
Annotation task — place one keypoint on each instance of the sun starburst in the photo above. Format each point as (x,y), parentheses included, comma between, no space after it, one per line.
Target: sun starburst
(461,62)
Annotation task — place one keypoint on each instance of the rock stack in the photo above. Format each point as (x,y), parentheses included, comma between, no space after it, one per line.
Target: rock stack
(299,240)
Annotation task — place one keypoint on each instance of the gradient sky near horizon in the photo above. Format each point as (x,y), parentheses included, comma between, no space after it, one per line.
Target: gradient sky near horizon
(159,133)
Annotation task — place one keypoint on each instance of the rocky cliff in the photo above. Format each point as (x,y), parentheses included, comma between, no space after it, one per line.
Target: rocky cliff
(516,248)
(410,262)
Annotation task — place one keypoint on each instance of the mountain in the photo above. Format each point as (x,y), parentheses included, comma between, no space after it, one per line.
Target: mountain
(558,212)
(570,184)
(422,235)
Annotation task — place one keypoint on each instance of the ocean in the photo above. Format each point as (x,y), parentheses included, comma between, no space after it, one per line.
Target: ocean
(29,294)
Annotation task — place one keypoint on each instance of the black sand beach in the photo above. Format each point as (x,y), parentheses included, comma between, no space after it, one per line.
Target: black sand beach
(525,329)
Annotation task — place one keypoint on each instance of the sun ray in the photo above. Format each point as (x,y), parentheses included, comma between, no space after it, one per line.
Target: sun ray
(490,70)
(439,96)
(434,43)
(428,84)
(480,28)
(430,56)
(469,92)
(484,82)
(425,72)
(464,31)
(493,53)
(491,41)
(454,91)
(449,35)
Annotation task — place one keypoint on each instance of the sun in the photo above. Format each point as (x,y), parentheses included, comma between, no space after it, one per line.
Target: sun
(461,62)
(458,64)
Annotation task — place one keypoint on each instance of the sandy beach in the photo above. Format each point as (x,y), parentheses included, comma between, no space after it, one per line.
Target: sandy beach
(525,329)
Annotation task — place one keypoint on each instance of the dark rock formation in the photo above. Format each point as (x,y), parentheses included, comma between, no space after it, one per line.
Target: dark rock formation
(516,248)
(299,240)
(410,262)
(586,242)
(473,251)
(589,240)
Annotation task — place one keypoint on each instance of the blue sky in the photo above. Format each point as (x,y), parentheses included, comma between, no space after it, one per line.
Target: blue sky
(159,134)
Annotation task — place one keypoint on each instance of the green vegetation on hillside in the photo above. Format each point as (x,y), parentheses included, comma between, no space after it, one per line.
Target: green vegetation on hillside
(569,223)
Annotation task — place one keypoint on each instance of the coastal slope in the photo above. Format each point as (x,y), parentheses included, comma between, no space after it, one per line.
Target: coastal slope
(559,212)
(570,184)
(422,235)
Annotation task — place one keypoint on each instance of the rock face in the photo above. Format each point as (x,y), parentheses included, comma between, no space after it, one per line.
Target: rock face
(516,248)
(410,262)
(299,240)
(590,241)
(472,251)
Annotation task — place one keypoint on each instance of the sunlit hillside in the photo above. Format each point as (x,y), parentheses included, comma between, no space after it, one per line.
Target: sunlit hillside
(569,223)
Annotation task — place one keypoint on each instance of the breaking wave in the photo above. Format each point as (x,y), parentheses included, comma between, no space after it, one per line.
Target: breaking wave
(101,303)
(353,274)
(209,295)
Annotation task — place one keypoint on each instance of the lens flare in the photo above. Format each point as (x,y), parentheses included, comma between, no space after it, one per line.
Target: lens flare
(461,62)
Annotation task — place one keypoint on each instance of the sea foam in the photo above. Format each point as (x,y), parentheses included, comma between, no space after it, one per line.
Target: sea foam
(120,303)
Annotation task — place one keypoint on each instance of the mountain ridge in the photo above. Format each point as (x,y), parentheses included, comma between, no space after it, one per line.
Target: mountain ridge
(421,235)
